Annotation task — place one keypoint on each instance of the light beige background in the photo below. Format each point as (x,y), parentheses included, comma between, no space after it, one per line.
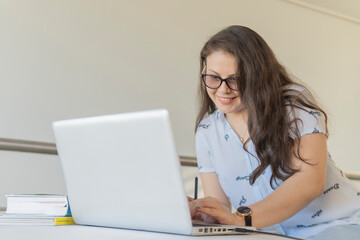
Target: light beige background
(71,58)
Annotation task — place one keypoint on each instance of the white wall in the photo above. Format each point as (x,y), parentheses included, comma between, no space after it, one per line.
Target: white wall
(72,58)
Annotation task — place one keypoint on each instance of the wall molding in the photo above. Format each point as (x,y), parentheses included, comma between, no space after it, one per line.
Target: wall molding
(324,10)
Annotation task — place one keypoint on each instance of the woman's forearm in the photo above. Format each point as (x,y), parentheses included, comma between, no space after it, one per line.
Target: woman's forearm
(288,199)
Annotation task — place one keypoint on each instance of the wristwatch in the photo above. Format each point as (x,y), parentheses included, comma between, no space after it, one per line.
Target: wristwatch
(245,213)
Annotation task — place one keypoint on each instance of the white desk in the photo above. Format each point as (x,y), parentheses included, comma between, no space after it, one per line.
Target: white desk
(76,232)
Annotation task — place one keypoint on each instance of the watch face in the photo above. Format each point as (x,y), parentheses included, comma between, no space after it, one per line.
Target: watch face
(244,210)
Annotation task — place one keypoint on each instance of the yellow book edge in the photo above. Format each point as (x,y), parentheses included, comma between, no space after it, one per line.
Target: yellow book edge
(64,221)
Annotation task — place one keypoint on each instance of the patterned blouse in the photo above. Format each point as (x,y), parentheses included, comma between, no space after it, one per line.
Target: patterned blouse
(219,150)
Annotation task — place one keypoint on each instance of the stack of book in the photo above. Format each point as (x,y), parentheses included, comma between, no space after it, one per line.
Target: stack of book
(37,209)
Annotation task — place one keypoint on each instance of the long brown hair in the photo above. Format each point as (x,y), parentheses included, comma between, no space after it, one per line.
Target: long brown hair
(267,91)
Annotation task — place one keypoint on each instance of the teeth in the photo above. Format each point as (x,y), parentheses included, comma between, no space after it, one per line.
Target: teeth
(225,99)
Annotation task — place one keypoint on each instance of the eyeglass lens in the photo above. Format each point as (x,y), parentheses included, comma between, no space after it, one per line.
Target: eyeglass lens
(214,82)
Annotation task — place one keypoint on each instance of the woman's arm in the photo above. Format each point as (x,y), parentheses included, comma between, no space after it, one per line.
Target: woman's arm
(212,188)
(290,197)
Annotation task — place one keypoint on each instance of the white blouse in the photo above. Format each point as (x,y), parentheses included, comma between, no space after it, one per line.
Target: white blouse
(219,150)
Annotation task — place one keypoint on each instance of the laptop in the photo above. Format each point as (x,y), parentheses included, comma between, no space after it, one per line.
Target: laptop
(123,171)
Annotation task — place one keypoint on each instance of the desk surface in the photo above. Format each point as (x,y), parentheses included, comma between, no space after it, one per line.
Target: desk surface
(76,232)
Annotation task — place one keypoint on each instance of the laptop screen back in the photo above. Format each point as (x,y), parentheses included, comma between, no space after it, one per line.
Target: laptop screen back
(123,171)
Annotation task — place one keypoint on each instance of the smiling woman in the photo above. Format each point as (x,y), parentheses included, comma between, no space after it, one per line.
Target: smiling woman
(225,96)
(264,125)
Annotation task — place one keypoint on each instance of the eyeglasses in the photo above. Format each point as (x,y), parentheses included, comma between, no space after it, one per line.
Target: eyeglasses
(214,82)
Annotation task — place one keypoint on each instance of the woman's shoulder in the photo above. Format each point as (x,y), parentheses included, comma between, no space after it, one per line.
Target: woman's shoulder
(298,90)
(300,93)
(303,94)
(307,119)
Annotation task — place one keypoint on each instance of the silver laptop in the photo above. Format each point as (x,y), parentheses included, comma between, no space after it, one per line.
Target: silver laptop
(123,171)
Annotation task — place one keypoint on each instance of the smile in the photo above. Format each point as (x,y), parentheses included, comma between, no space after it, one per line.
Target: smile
(226,101)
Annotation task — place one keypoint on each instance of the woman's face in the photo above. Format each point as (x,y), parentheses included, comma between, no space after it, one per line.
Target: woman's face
(224,65)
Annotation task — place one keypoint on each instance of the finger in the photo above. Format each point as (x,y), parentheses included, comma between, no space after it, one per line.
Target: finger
(206,210)
(210,212)
(189,198)
(198,216)
(214,215)
(208,218)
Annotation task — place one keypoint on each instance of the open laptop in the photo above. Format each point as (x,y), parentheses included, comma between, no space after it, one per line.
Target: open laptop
(123,171)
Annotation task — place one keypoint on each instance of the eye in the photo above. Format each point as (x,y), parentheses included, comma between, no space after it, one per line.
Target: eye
(231,79)
(214,78)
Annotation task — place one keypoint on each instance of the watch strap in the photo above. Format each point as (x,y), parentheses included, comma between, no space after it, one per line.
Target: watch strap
(248,221)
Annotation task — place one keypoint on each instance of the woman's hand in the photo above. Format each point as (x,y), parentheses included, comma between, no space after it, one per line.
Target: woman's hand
(212,207)
(195,214)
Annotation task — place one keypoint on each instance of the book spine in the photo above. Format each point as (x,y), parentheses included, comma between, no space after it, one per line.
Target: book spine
(68,213)
(64,221)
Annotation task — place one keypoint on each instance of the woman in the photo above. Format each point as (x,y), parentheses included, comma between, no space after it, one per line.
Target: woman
(261,143)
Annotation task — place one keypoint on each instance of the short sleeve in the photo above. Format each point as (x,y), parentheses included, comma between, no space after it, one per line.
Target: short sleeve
(203,151)
(308,121)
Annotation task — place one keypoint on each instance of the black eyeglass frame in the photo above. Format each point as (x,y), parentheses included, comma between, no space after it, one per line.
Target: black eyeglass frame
(221,81)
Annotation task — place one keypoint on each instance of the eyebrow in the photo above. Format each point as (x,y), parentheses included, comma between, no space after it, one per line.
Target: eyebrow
(231,75)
